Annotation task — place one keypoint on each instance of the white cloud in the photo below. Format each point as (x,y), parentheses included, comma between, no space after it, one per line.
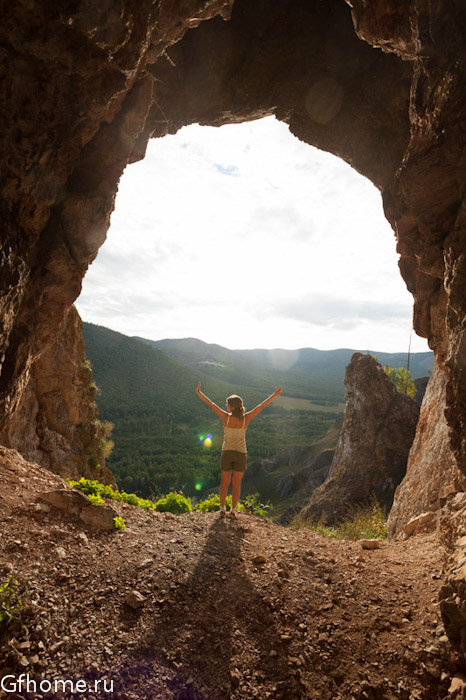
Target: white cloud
(247,237)
(342,313)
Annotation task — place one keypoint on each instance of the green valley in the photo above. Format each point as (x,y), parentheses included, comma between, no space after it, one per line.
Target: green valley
(147,390)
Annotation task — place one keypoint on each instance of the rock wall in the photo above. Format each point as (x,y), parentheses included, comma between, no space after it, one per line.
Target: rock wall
(432,474)
(452,595)
(56,423)
(372,447)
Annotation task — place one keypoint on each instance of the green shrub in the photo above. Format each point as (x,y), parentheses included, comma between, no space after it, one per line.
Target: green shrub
(119,523)
(401,377)
(365,521)
(252,504)
(95,499)
(174,503)
(94,488)
(299,523)
(212,503)
(11,603)
(130,498)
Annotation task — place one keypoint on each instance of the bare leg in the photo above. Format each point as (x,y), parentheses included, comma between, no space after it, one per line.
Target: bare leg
(236,489)
(226,477)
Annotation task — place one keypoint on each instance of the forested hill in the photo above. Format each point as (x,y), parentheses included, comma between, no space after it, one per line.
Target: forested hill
(158,419)
(147,390)
(306,372)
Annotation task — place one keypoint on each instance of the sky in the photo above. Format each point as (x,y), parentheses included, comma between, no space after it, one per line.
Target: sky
(245,236)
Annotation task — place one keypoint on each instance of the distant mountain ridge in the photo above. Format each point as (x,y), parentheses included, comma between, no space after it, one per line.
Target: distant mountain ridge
(305,372)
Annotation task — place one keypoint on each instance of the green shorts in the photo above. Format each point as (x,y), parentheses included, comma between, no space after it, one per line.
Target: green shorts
(231,460)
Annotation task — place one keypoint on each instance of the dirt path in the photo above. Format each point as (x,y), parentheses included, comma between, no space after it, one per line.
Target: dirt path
(240,610)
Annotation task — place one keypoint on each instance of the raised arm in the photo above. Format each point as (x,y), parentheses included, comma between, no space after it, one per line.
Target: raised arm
(216,409)
(255,411)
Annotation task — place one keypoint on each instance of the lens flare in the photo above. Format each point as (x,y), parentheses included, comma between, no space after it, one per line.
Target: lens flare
(206,440)
(198,486)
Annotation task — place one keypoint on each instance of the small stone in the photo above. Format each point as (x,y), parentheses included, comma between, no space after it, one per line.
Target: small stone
(457,683)
(146,563)
(432,650)
(134,599)
(259,559)
(60,552)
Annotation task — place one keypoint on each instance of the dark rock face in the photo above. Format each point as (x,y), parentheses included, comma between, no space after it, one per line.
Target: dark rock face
(373,444)
(56,423)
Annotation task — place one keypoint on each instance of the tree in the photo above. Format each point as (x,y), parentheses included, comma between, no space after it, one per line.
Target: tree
(401,377)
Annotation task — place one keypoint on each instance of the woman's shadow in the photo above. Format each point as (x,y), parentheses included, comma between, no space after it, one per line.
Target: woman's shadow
(219,631)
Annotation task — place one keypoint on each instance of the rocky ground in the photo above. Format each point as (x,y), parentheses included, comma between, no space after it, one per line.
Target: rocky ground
(224,609)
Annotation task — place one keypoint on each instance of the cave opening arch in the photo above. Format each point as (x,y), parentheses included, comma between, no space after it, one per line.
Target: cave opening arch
(393,114)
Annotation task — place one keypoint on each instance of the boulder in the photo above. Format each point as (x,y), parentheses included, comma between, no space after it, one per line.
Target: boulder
(68,500)
(99,517)
(373,443)
(77,503)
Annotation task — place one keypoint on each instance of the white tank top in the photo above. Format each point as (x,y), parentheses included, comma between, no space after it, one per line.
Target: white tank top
(234,438)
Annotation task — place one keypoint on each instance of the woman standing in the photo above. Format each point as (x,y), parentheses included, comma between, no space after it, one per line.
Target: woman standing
(234,453)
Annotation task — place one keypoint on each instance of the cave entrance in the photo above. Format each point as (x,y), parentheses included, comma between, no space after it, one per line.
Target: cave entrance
(247,237)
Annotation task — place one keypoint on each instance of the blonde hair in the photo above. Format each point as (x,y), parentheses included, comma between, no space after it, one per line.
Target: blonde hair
(235,403)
